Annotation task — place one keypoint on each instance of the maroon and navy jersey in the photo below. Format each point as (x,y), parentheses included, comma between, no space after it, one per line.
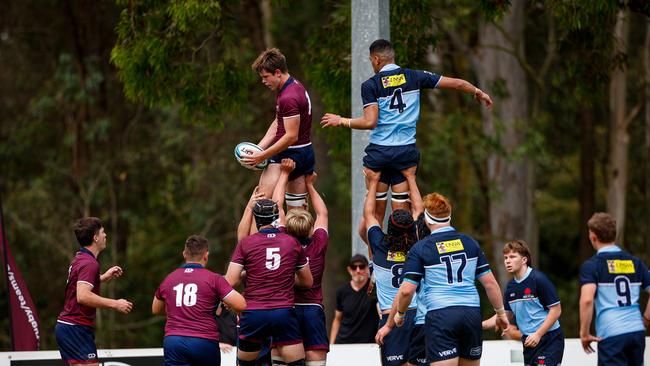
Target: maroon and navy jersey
(84,268)
(191,294)
(293,100)
(270,258)
(315,251)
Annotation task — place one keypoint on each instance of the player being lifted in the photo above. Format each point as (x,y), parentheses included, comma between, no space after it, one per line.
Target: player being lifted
(389,252)
(391,109)
(313,237)
(446,265)
(274,262)
(289,135)
(189,296)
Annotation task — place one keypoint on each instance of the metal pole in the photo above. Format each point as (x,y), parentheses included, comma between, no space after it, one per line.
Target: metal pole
(370,21)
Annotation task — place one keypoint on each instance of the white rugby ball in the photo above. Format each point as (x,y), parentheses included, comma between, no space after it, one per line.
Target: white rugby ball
(244,149)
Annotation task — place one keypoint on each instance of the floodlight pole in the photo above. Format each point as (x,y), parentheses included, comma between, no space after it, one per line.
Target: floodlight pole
(370,21)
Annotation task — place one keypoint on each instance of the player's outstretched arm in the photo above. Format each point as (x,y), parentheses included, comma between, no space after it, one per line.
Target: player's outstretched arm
(244,227)
(267,140)
(417,205)
(86,297)
(158,306)
(587,295)
(367,122)
(494,295)
(372,179)
(304,278)
(235,301)
(317,202)
(465,87)
(113,272)
(286,167)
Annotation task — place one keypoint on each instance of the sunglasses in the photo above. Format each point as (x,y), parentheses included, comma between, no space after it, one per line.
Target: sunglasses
(354,267)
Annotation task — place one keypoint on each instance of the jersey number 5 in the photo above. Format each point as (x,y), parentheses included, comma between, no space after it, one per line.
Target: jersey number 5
(272,258)
(396,101)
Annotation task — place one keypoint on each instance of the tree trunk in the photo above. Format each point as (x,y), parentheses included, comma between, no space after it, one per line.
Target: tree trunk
(619,137)
(511,206)
(587,179)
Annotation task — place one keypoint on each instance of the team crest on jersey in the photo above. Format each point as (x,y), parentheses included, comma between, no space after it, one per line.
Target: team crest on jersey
(616,266)
(396,256)
(393,80)
(449,246)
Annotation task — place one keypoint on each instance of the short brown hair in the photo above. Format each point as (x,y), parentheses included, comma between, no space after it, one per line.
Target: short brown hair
(603,225)
(437,205)
(270,60)
(85,230)
(520,247)
(196,246)
(299,223)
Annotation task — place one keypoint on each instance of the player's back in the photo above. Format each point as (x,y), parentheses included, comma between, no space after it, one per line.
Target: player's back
(388,266)
(315,251)
(620,277)
(451,261)
(84,268)
(191,294)
(270,259)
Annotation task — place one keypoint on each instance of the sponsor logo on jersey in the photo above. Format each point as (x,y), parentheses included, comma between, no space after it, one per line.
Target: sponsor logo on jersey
(396,256)
(449,246)
(270,235)
(189,270)
(393,80)
(617,266)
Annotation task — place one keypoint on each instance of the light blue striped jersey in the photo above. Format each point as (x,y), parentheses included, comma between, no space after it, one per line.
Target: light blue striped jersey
(396,91)
(620,277)
(529,300)
(449,263)
(387,269)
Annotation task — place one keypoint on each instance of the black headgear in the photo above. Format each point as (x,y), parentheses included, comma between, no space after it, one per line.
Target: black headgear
(265,212)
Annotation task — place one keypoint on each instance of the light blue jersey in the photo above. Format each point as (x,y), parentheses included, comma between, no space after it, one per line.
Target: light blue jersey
(387,269)
(619,277)
(529,300)
(422,308)
(396,91)
(449,263)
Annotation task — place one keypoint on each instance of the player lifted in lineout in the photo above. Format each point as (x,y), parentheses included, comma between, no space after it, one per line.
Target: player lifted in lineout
(289,135)
(391,109)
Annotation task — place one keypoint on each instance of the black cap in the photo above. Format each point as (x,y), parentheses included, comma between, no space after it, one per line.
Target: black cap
(358,258)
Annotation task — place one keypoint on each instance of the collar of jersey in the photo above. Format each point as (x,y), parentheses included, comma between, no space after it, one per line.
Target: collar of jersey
(286,83)
(443,230)
(530,269)
(270,230)
(613,248)
(192,265)
(389,67)
(87,251)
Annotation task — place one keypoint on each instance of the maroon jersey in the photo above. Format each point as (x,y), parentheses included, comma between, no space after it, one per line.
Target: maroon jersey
(315,251)
(191,294)
(84,268)
(270,258)
(292,101)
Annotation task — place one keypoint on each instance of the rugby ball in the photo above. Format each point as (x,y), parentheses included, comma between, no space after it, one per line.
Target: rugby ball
(244,149)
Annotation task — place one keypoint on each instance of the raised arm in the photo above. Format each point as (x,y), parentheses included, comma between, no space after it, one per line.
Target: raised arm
(372,179)
(286,167)
(417,205)
(465,87)
(367,122)
(317,202)
(243,230)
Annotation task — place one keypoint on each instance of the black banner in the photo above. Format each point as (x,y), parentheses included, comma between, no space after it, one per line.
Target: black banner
(108,361)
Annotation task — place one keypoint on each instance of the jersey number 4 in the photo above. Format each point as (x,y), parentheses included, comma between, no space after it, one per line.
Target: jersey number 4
(396,101)
(185,294)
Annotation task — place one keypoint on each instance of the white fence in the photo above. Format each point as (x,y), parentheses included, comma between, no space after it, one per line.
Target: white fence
(495,353)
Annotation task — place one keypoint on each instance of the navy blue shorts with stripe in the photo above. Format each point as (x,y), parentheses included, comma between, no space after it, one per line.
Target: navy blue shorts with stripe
(76,343)
(302,156)
(622,350)
(395,350)
(549,351)
(417,349)
(391,160)
(256,326)
(311,319)
(191,351)
(452,332)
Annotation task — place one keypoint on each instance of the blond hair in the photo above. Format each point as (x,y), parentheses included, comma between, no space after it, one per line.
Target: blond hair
(437,205)
(299,223)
